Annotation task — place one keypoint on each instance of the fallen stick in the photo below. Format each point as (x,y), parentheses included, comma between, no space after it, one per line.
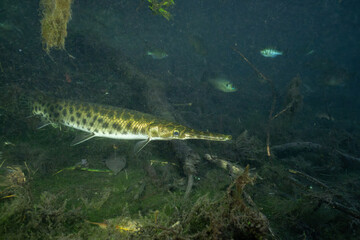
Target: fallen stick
(327,200)
(310,146)
(274,99)
(232,168)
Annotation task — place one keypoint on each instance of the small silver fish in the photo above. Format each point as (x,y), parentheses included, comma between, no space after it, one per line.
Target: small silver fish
(270,52)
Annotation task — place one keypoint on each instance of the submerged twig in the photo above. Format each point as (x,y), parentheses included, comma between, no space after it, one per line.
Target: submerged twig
(310,146)
(327,200)
(294,99)
(310,178)
(274,99)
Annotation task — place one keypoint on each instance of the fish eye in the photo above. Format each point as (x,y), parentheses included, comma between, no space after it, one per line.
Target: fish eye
(176,133)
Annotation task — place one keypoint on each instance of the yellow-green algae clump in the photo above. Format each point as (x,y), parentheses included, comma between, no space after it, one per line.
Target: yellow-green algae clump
(55,17)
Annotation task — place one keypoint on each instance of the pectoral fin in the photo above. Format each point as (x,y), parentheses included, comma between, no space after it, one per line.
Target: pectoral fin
(140,145)
(82,138)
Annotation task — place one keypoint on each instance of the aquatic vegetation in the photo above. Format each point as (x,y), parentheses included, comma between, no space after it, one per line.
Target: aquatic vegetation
(13,210)
(121,224)
(55,17)
(22,218)
(161,8)
(98,201)
(231,217)
(53,216)
(15,176)
(249,148)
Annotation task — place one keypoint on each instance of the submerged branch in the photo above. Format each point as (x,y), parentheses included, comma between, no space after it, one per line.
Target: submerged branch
(324,198)
(310,146)
(274,99)
(233,169)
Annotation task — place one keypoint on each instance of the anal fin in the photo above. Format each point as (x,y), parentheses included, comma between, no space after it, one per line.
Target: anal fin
(82,138)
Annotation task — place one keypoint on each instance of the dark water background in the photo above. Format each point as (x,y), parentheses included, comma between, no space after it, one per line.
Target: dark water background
(104,35)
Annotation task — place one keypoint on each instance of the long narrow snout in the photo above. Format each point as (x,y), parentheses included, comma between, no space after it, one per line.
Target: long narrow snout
(207,136)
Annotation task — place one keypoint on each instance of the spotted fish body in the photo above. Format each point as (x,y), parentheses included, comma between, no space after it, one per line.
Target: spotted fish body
(116,123)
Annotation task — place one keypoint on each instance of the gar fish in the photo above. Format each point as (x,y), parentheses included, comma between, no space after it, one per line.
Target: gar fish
(270,52)
(157,54)
(111,122)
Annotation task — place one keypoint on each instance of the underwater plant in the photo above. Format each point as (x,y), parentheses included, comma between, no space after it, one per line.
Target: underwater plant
(56,15)
(161,8)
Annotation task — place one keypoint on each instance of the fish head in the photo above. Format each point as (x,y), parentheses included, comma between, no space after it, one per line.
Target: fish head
(179,132)
(229,87)
(167,131)
(225,85)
